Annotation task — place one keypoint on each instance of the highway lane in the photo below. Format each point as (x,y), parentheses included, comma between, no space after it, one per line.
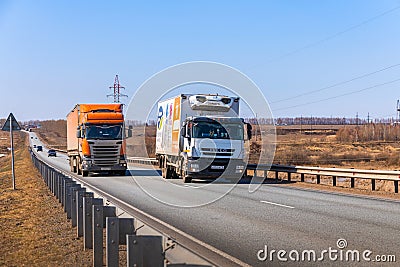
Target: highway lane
(281,217)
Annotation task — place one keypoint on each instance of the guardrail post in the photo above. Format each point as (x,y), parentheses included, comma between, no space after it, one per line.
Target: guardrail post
(58,185)
(318,179)
(79,210)
(45,174)
(396,186)
(74,215)
(144,251)
(333,180)
(68,197)
(100,214)
(108,211)
(276,175)
(97,227)
(112,241)
(88,202)
(352,182)
(289,177)
(65,181)
(302,177)
(51,180)
(61,188)
(126,227)
(373,184)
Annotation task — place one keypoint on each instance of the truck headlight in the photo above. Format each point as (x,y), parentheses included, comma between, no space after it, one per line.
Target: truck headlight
(194,167)
(239,169)
(87,161)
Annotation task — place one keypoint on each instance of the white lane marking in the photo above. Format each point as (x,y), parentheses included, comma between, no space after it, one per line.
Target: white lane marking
(277,204)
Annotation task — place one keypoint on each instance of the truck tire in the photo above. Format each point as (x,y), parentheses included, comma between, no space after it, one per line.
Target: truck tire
(187,179)
(169,173)
(71,164)
(79,166)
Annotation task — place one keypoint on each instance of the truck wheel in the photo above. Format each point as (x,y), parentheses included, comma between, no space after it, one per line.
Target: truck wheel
(168,174)
(85,173)
(79,167)
(175,174)
(71,164)
(187,179)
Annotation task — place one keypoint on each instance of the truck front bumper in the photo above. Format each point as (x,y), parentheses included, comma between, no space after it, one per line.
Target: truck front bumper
(87,165)
(216,168)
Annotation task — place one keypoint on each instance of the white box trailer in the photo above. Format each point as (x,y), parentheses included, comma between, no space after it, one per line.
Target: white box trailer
(200,136)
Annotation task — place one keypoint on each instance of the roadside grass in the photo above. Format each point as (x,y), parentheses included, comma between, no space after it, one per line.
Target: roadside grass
(34,230)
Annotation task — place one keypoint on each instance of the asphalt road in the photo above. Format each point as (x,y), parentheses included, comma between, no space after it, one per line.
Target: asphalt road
(277,216)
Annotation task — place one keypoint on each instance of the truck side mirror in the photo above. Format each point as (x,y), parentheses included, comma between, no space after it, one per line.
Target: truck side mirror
(78,134)
(249,131)
(130,133)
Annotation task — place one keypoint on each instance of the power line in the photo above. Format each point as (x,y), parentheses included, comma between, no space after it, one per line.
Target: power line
(336,84)
(335,34)
(341,95)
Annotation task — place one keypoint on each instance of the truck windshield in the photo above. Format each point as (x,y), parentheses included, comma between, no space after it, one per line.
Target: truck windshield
(214,130)
(105,132)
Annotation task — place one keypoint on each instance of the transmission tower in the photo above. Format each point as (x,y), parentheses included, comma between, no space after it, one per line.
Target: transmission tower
(117,90)
(398,111)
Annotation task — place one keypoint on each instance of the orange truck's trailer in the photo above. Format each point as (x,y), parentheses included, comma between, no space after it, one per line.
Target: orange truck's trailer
(95,139)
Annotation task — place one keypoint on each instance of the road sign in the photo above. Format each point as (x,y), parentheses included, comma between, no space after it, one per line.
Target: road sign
(11,125)
(11,120)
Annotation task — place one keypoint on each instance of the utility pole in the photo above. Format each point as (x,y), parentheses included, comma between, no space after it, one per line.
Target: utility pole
(301,124)
(117,90)
(357,127)
(398,111)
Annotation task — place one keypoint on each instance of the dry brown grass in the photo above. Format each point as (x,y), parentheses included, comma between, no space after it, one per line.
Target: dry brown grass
(327,147)
(53,133)
(34,230)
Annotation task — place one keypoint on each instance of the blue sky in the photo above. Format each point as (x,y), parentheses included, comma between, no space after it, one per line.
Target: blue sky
(55,54)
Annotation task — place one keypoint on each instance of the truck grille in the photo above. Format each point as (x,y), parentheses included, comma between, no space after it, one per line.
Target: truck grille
(218,152)
(105,155)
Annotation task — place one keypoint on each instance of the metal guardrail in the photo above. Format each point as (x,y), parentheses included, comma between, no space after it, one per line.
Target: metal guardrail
(352,174)
(335,173)
(89,215)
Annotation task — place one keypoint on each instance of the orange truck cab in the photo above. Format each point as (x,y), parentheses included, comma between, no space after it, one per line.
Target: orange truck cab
(95,139)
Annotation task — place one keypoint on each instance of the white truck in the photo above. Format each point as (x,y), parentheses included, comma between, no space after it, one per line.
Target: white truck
(200,136)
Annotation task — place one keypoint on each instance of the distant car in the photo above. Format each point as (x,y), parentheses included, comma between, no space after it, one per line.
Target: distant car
(34,146)
(51,153)
(39,148)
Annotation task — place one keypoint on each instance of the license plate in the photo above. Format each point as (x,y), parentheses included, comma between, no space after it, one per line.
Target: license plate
(105,168)
(217,167)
